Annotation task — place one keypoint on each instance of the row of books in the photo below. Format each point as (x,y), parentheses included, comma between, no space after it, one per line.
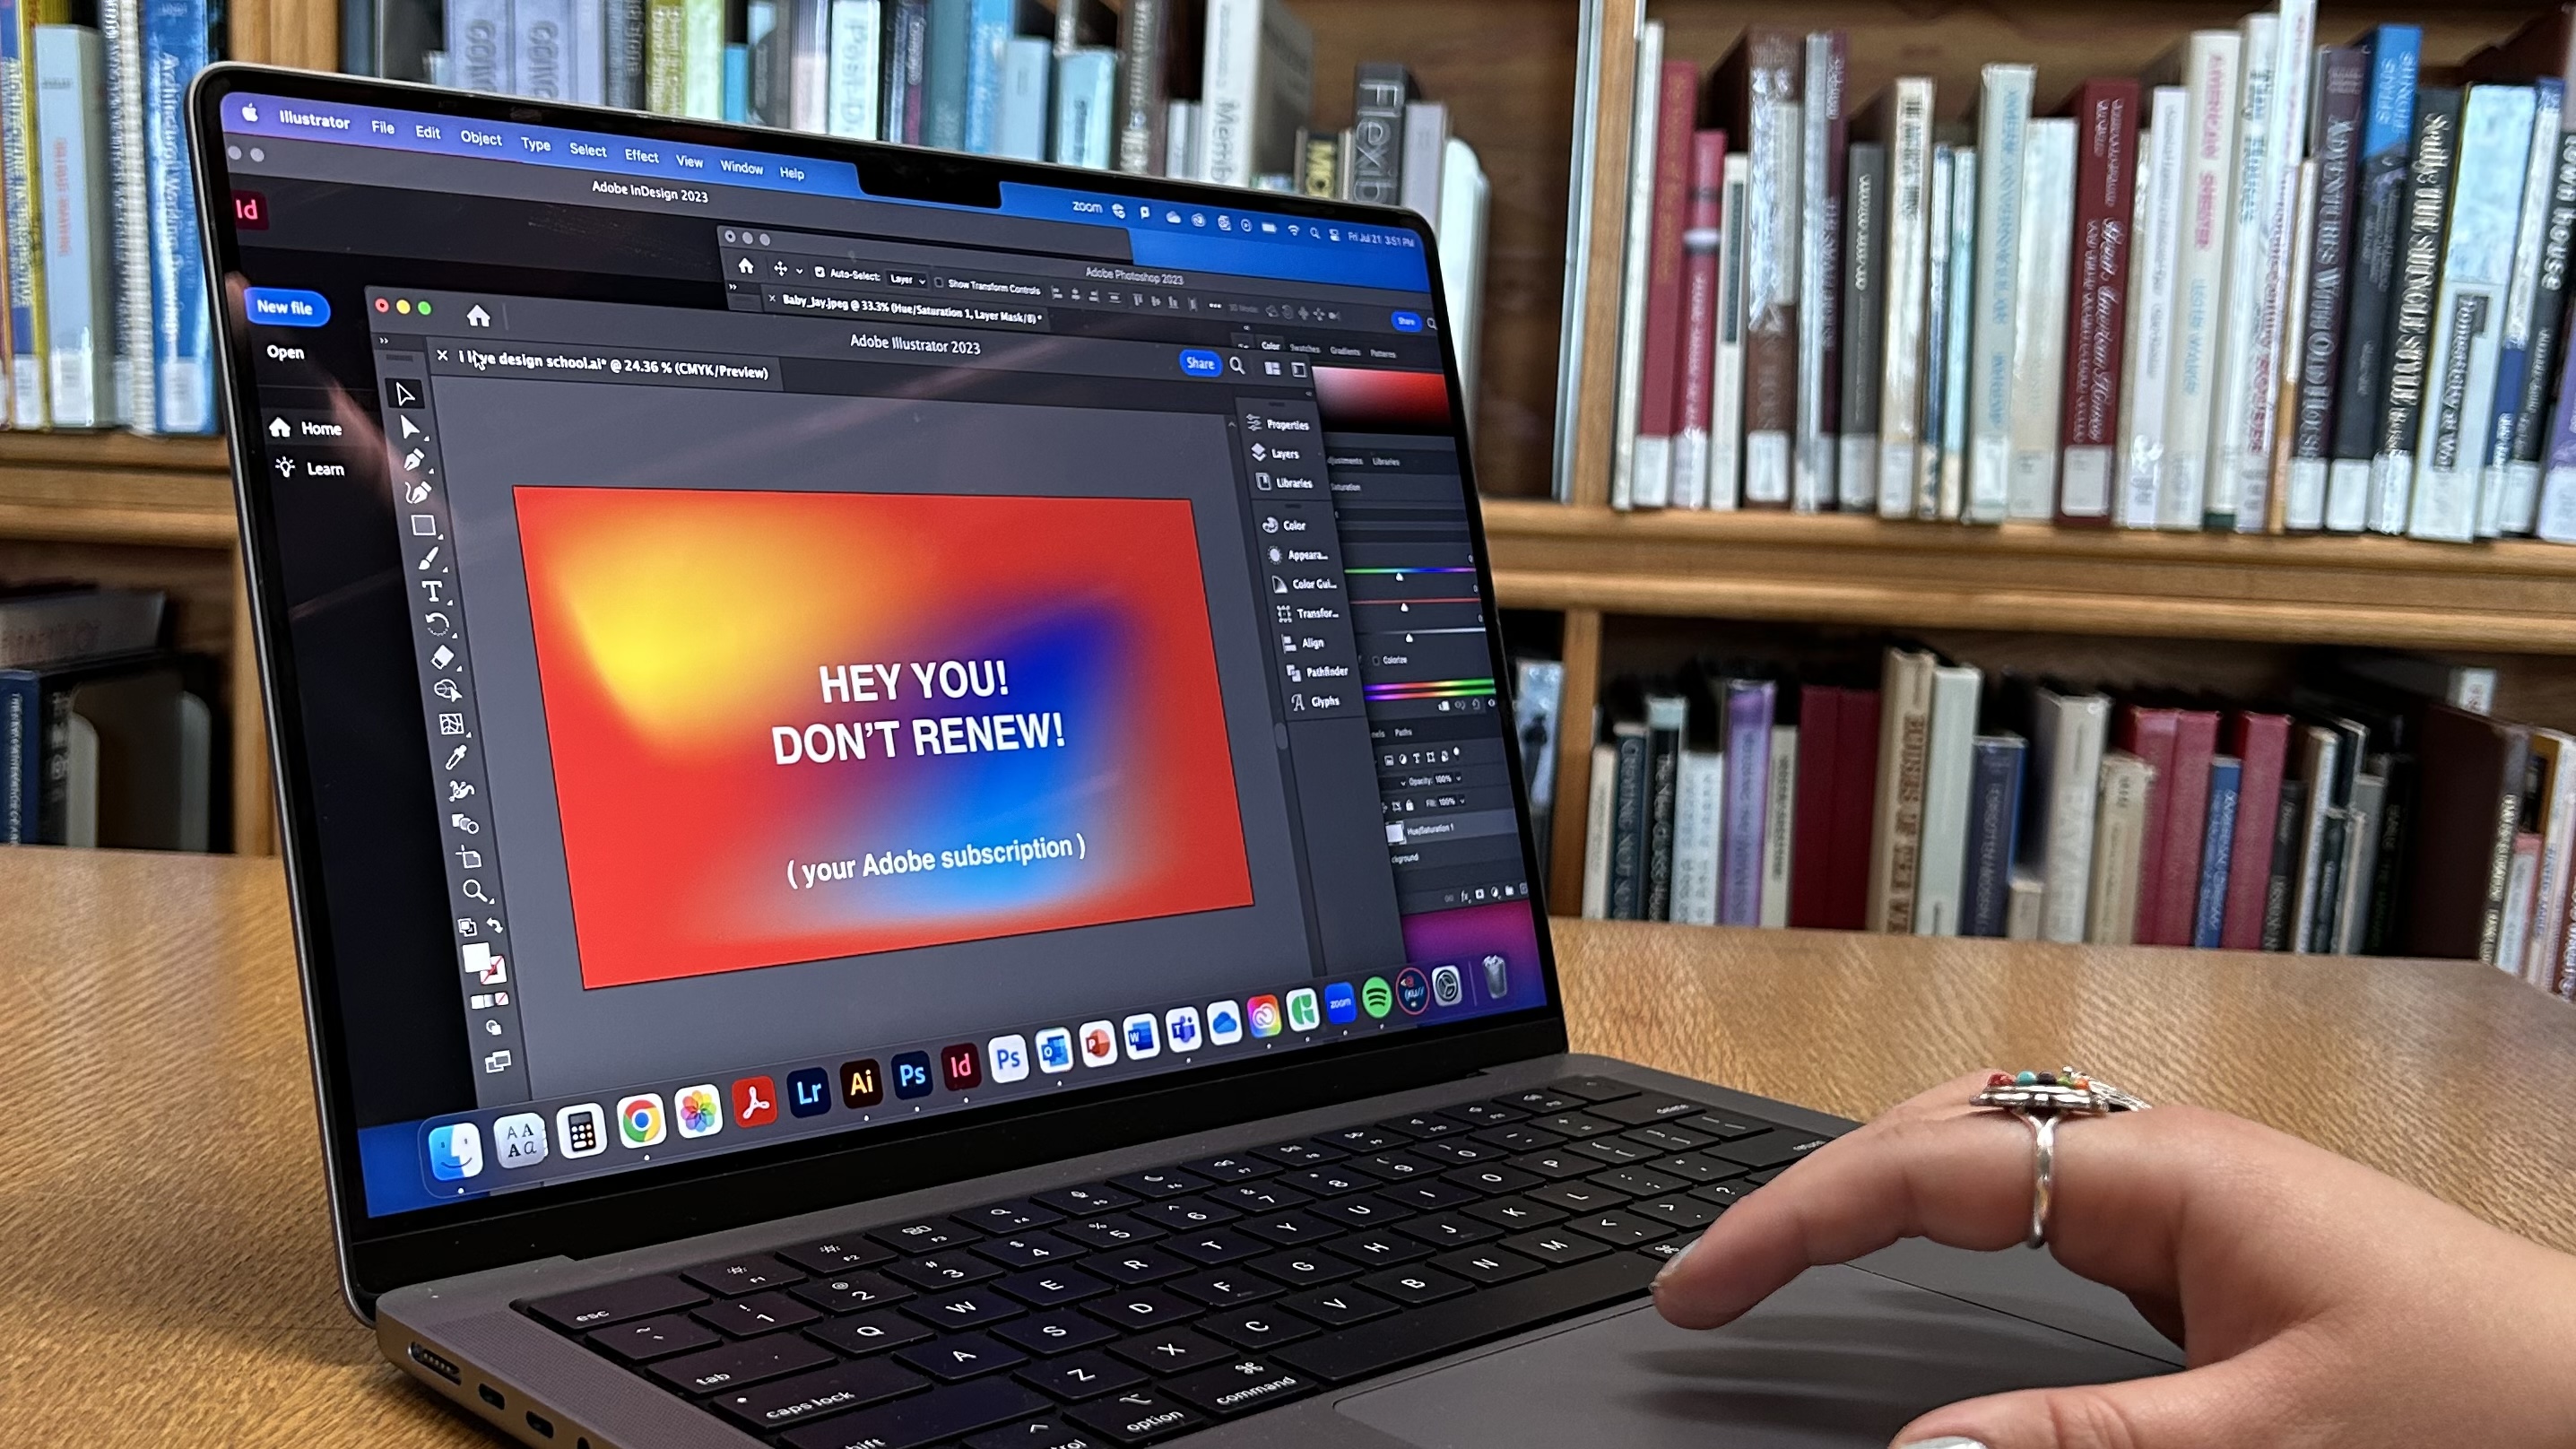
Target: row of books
(2379,810)
(106,737)
(2263,286)
(107,318)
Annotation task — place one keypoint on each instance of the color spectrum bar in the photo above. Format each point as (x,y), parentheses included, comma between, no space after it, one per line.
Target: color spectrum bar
(1431,689)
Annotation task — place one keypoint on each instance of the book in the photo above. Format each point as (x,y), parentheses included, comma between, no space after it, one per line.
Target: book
(1703,248)
(1083,25)
(1636,271)
(2096,347)
(2411,299)
(1959,336)
(2361,861)
(1021,115)
(1748,704)
(1910,349)
(2153,735)
(1466,212)
(990,24)
(1538,709)
(1823,159)
(852,68)
(1863,317)
(1600,824)
(2343,95)
(2260,742)
(178,42)
(1381,91)
(2290,327)
(1779,826)
(2534,435)
(1855,808)
(1256,88)
(907,73)
(1628,824)
(2121,818)
(1820,726)
(2026,915)
(2004,122)
(1667,716)
(2239,319)
(2467,325)
(2182,803)
(2157,253)
(1933,385)
(2067,739)
(129,398)
(1426,138)
(2258,500)
(1183,155)
(1149,57)
(71,125)
(622,59)
(2281,870)
(1904,742)
(91,753)
(2379,228)
(1940,891)
(1086,106)
(1655,296)
(2522,882)
(2208,67)
(1994,826)
(2321,761)
(478,46)
(2555,755)
(2508,487)
(2039,319)
(56,625)
(1756,92)
(948,40)
(1726,369)
(1699,811)
(21,194)
(2217,852)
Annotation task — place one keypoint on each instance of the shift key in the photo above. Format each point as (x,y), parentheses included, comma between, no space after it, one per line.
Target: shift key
(939,1415)
(1776,1148)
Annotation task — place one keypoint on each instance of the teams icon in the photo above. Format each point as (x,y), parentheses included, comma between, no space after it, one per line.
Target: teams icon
(1181,1026)
(698,1111)
(1009,1056)
(582,1130)
(1055,1050)
(1224,1023)
(1341,1004)
(639,1119)
(1099,1043)
(1264,1011)
(455,1151)
(1301,1010)
(1144,1039)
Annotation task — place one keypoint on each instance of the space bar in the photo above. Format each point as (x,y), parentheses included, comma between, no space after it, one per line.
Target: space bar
(1356,1353)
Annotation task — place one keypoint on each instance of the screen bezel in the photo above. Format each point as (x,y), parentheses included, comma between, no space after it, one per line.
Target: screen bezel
(616,1212)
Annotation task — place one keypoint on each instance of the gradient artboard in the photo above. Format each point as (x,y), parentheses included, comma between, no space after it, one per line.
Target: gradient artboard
(683,640)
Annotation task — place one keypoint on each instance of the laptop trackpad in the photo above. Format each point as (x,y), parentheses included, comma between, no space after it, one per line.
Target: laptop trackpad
(1840,1357)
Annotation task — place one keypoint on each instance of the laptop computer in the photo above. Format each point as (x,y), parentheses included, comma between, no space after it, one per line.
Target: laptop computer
(903,833)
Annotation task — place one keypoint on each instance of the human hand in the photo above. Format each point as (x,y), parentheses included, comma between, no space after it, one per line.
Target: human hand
(2318,1303)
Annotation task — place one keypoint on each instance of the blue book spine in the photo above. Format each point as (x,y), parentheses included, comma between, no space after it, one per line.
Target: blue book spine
(737,83)
(22,747)
(177,43)
(943,121)
(988,38)
(1086,95)
(2387,137)
(1994,825)
(2218,843)
(1748,789)
(2522,296)
(2396,54)
(1028,69)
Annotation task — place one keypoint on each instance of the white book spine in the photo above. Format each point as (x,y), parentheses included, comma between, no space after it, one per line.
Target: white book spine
(2112,914)
(2468,317)
(2506,501)
(2002,139)
(71,131)
(1779,823)
(1020,120)
(1600,809)
(2068,764)
(1960,337)
(1228,91)
(1637,250)
(1699,800)
(2201,237)
(1949,765)
(1426,136)
(1771,244)
(1906,269)
(2151,305)
(703,22)
(1726,374)
(2249,251)
(1182,156)
(2039,319)
(1924,500)
(129,217)
(2292,64)
(2557,847)
(2304,509)
(1086,107)
(1466,210)
(1812,487)
(852,108)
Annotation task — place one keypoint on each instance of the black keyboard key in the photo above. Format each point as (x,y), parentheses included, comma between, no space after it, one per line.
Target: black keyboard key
(925,1235)
(1619,1229)
(1492,1179)
(1514,1214)
(1646,1107)
(1027,1250)
(1256,1328)
(1541,1101)
(1288,1230)
(1035,1434)
(1228,1288)
(1170,1352)
(1364,1211)
(1687,1214)
(1669,1248)
(1079,1376)
(831,1257)
(1187,1215)
(1696,1167)
(1300,1154)
(758,1314)
(647,1339)
(1142,1311)
(1592,1089)
(951,1312)
(1303,1270)
(1554,1163)
(1523,1138)
(1109,1231)
(867,1333)
(1763,1178)
(617,1302)
(931,1418)
(734,1365)
(1776,1148)
(736,1276)
(1725,1127)
(1053,1333)
(946,1271)
(1414,1287)
(1267,1197)
(1486,1114)
(1442,1328)
(1169,1182)
(1664,1137)
(1423,1126)
(1448,1230)
(1576,1197)
(1399,1166)
(1083,1201)
(1010,1217)
(1329,1181)
(1577,1124)
(834,1390)
(1231,1167)
(1224,1245)
(852,1292)
(1240,1386)
(1137,1267)
(1363,1139)
(1048,1287)
(1638,1182)
(1137,1416)
(1458,1151)
(1429,1196)
(1616,1151)
(1722,1195)
(1485,1267)
(1339,1307)
(1555,1248)
(961,1356)
(1381,1250)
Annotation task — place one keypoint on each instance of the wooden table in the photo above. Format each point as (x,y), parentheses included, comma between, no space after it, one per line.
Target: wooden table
(168,1278)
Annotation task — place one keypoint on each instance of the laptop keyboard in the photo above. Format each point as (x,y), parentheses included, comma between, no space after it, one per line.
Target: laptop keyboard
(1158,1302)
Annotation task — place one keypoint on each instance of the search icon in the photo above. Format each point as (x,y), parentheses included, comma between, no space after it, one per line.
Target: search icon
(473,891)
(1234,365)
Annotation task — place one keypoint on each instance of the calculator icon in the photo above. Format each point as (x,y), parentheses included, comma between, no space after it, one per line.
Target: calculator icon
(582,1130)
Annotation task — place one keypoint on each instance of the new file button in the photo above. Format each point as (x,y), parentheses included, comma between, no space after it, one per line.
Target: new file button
(286,307)
(1199,362)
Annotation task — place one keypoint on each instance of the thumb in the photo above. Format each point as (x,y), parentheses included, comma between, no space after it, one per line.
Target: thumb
(2225,1403)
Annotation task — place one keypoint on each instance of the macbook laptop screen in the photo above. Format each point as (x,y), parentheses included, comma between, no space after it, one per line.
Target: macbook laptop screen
(764,658)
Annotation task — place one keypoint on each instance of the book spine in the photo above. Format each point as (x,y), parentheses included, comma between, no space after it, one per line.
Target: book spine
(2396,818)
(2002,141)
(1896,842)
(2410,309)
(21,758)
(949,39)
(1660,376)
(1600,826)
(2379,231)
(703,25)
(1021,120)
(666,52)
(540,45)
(2262,742)
(478,46)
(1924,491)
(1903,372)
(2182,798)
(1749,705)
(177,43)
(2535,444)
(1940,892)
(2150,734)
(2039,320)
(1699,803)
(2072,729)
(988,34)
(2291,328)
(1726,371)
(2281,873)
(1775,137)
(2468,320)
(2027,914)
(2535,308)
(2325,882)
(2522,881)
(1628,825)
(71,126)
(2217,852)
(852,107)
(1703,244)
(20,195)
(2361,864)
(2106,212)
(2259,498)
(1143,32)
(1636,270)
(1666,718)
(2250,234)
(1182,155)
(2320,749)
(2156,248)
(2120,818)
(1959,362)
(624,66)
(1086,102)
(1855,808)
(1426,138)
(1380,91)
(129,220)
(1820,717)
(1779,826)
(1823,159)
(1863,309)
(907,84)
(2508,829)
(2209,183)
(2343,95)
(1993,829)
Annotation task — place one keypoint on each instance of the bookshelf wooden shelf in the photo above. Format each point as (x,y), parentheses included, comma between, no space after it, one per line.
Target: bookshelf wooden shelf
(114,488)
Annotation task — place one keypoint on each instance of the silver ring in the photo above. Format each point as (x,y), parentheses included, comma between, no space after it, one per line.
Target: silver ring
(2043,1099)
(2043,1145)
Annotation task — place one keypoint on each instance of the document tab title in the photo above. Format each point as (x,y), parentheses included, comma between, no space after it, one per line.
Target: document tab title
(929,682)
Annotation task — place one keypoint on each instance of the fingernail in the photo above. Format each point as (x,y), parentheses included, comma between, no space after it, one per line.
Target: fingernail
(1947,1441)
(1675,1261)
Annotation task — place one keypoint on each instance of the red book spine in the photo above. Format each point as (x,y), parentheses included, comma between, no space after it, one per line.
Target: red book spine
(2185,793)
(1659,394)
(1702,235)
(1811,865)
(2149,735)
(2262,741)
(1855,809)
(2097,327)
